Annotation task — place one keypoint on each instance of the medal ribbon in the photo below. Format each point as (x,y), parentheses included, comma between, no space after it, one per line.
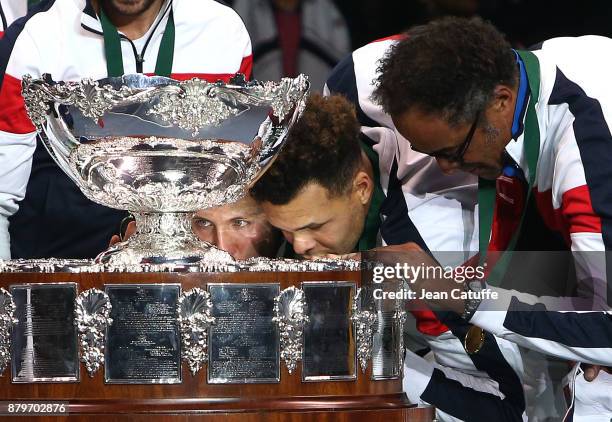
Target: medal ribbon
(487,188)
(112,48)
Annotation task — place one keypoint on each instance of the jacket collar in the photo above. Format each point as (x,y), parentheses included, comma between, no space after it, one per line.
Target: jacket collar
(514,148)
(89,20)
(91,23)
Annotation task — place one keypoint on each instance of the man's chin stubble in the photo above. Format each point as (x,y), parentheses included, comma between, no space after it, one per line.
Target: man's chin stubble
(128,7)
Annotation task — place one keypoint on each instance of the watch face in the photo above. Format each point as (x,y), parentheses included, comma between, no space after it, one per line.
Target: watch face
(474,340)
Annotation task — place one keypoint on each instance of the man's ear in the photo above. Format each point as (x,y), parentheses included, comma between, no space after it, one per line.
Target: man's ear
(503,99)
(363,187)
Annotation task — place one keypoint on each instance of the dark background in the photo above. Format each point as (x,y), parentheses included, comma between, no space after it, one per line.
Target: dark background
(525,22)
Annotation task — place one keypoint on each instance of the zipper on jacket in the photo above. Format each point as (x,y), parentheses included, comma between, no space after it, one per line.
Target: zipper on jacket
(138,58)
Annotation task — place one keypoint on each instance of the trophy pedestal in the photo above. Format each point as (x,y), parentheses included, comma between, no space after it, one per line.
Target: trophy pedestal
(204,395)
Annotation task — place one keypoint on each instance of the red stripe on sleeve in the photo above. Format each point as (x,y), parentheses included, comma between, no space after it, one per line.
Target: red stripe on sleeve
(427,323)
(209,77)
(1,34)
(553,218)
(246,67)
(14,118)
(578,211)
(391,37)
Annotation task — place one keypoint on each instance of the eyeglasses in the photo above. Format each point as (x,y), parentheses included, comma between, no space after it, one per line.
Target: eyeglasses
(457,155)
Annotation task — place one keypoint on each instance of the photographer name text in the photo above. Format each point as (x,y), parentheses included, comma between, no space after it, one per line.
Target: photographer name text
(458,293)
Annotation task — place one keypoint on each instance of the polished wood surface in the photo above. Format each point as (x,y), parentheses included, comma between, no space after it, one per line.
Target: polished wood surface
(195,399)
(415,414)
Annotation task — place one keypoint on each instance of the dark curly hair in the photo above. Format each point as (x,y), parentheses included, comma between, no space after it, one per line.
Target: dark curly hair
(448,67)
(322,147)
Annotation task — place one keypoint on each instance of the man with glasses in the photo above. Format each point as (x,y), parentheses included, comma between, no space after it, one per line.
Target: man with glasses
(535,127)
(438,211)
(454,154)
(332,194)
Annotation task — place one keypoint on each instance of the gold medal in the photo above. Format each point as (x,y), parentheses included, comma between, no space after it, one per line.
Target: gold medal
(474,340)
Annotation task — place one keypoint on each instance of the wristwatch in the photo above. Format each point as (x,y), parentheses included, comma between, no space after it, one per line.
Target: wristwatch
(472,301)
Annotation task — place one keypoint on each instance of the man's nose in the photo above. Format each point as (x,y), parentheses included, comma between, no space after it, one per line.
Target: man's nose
(303,243)
(448,166)
(209,236)
(228,242)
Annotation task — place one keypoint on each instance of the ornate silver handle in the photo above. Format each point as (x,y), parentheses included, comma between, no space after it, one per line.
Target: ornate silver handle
(290,316)
(7,319)
(194,313)
(92,317)
(363,321)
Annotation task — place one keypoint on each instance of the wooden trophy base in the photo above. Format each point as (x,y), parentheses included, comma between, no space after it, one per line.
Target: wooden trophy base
(290,399)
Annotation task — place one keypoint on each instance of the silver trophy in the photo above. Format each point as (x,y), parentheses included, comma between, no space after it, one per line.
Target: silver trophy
(163,149)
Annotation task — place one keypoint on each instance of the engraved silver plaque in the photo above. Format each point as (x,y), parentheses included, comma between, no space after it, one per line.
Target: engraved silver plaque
(143,343)
(244,342)
(92,317)
(363,318)
(329,342)
(44,340)
(194,313)
(386,337)
(290,316)
(7,319)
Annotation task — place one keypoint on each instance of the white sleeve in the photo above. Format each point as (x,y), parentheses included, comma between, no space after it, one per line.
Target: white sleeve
(448,389)
(524,319)
(15,165)
(17,134)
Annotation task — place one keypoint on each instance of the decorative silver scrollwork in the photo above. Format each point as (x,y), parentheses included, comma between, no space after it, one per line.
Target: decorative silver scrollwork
(194,313)
(189,104)
(259,264)
(193,104)
(196,103)
(283,95)
(289,314)
(399,318)
(7,319)
(87,95)
(363,321)
(92,317)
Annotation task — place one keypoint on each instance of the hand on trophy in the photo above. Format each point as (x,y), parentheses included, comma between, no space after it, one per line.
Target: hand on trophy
(127,229)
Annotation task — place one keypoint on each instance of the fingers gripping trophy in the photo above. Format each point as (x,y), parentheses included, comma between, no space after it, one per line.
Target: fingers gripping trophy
(163,149)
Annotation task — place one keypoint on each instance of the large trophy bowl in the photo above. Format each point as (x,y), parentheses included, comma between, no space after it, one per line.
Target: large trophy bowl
(163,149)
